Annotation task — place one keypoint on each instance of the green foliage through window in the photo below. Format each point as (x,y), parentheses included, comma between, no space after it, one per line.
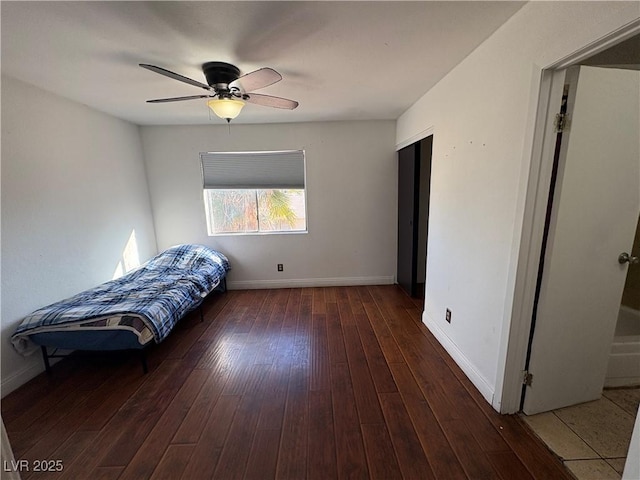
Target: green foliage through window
(255,211)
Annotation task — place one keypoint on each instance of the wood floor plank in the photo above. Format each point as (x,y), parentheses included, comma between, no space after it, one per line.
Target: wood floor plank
(365,295)
(338,382)
(66,453)
(203,461)
(134,435)
(217,310)
(440,385)
(187,331)
(106,473)
(38,411)
(443,461)
(473,460)
(354,301)
(319,302)
(350,455)
(321,440)
(144,461)
(306,303)
(364,388)
(271,337)
(531,451)
(223,354)
(40,386)
(173,462)
(381,457)
(300,358)
(140,405)
(263,457)
(286,347)
(241,348)
(244,378)
(344,403)
(292,455)
(254,301)
(478,424)
(319,379)
(344,308)
(330,295)
(55,429)
(293,307)
(508,466)
(235,452)
(412,460)
(274,397)
(335,339)
(194,422)
(262,317)
(378,366)
(387,342)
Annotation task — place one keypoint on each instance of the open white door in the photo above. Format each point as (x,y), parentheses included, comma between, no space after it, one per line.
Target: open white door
(595,212)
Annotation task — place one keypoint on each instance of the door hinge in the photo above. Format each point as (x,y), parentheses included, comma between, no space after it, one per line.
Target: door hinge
(527,378)
(560,123)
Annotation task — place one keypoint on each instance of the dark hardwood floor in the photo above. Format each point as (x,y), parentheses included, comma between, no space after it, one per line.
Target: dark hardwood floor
(315,383)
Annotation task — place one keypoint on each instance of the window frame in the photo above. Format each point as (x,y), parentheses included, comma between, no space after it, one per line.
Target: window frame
(209,216)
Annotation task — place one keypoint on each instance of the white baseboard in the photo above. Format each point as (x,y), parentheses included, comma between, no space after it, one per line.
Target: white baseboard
(20,377)
(463,362)
(309,282)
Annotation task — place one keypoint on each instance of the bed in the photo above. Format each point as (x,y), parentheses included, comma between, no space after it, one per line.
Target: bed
(130,312)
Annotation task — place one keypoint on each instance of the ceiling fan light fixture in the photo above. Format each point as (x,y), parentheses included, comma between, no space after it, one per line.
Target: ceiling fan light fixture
(226,108)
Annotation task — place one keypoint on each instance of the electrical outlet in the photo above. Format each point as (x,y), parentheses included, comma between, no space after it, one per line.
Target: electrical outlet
(447,316)
(280,267)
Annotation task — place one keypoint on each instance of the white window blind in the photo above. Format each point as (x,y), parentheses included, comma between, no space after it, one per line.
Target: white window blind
(253,170)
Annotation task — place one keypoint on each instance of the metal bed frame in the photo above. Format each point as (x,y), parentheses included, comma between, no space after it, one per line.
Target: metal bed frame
(46,356)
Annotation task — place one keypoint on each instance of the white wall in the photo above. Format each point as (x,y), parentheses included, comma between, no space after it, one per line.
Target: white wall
(482,114)
(73,191)
(351,200)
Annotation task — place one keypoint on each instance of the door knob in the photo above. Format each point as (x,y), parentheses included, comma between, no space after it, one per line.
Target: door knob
(624,257)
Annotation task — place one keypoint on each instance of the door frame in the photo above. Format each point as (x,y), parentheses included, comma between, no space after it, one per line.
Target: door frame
(421,171)
(408,172)
(514,350)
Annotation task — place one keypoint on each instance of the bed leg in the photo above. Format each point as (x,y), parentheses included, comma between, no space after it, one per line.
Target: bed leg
(143,359)
(45,357)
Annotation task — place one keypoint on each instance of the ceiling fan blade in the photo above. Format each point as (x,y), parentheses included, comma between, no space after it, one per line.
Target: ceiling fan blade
(178,99)
(257,79)
(269,101)
(175,76)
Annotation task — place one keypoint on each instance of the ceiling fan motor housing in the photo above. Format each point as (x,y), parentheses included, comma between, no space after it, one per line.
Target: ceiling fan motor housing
(218,73)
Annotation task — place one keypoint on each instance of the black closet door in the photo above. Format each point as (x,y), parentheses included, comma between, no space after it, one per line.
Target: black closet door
(408,175)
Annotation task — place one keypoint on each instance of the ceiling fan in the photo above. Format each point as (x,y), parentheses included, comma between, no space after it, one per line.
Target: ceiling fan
(227,89)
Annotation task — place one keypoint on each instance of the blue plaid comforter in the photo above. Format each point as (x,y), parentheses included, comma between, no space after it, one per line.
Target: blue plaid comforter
(160,292)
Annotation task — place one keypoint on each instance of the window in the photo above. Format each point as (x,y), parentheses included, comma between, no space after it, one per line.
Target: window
(254,192)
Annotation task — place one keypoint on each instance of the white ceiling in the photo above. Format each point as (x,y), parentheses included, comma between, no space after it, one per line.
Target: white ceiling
(340,60)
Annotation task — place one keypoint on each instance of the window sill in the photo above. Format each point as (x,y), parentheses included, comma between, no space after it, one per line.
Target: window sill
(257,234)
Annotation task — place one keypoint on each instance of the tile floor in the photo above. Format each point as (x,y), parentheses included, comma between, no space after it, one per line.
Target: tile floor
(592,438)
